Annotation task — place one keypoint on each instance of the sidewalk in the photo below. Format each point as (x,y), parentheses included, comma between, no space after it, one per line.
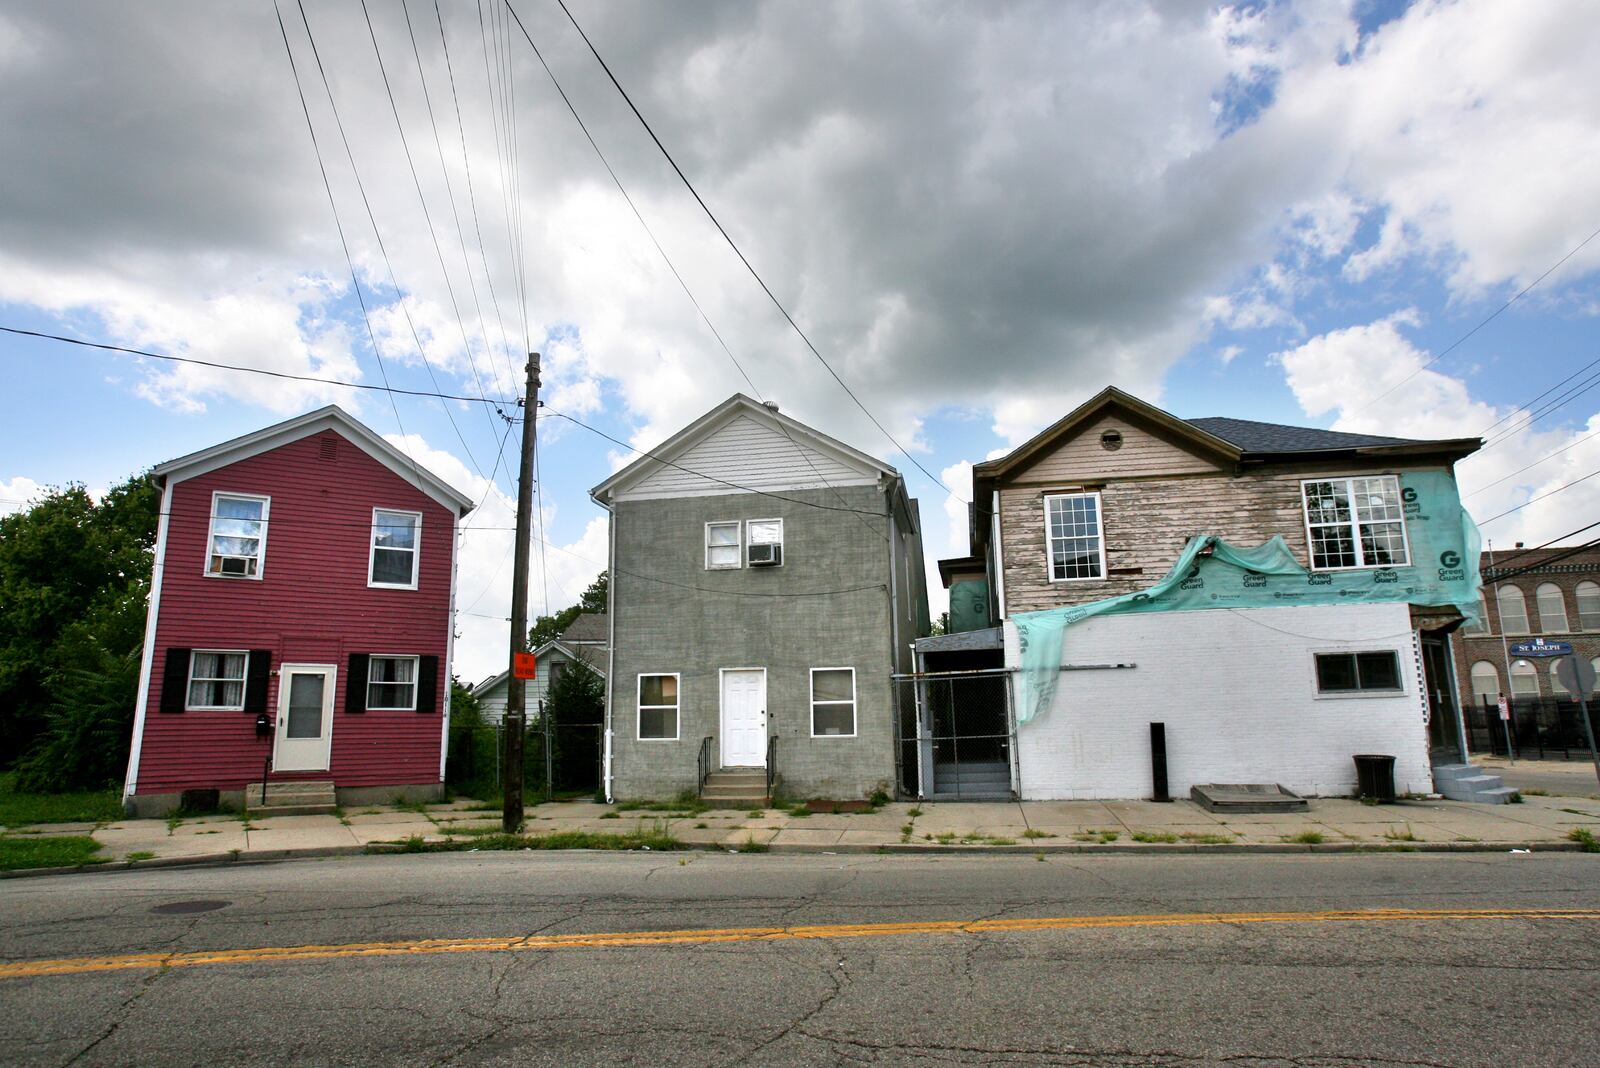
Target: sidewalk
(1332,825)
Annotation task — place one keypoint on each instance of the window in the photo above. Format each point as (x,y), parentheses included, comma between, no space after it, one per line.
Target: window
(216,680)
(1485,683)
(1513,610)
(722,545)
(1355,522)
(1524,679)
(658,707)
(1072,534)
(1588,606)
(1552,608)
(764,542)
(238,535)
(392,683)
(1352,673)
(833,702)
(395,542)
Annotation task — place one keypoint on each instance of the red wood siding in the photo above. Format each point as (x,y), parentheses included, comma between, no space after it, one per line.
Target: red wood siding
(311,606)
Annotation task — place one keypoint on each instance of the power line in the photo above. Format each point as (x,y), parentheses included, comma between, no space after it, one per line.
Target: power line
(1541,497)
(1533,417)
(1463,338)
(1536,463)
(735,247)
(1573,551)
(1529,404)
(1546,545)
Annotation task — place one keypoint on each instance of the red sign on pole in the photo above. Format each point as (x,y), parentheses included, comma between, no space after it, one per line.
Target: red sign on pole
(524,665)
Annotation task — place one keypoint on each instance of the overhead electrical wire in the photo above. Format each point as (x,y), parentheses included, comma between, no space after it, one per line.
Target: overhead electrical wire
(1525,406)
(1541,497)
(1536,463)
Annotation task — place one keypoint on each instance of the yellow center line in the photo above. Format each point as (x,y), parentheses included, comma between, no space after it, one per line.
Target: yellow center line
(272,954)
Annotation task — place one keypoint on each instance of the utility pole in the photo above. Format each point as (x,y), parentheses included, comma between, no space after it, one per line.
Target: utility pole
(516,688)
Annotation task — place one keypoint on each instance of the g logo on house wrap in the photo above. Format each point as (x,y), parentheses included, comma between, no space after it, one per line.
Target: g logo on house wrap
(1450,569)
(1408,495)
(1192,581)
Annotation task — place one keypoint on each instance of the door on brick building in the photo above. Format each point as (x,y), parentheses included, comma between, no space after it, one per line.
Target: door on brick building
(1444,716)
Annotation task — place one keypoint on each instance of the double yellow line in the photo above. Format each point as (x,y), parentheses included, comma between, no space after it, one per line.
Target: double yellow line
(275,954)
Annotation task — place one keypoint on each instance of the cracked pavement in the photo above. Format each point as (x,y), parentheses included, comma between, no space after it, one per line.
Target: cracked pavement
(1501,992)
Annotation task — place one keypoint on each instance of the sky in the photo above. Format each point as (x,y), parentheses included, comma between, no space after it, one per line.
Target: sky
(1364,216)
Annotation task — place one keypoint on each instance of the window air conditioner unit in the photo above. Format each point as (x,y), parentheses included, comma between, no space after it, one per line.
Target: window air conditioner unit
(766,555)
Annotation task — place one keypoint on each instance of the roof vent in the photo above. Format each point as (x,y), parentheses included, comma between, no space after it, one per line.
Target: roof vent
(1111,440)
(770,405)
(330,449)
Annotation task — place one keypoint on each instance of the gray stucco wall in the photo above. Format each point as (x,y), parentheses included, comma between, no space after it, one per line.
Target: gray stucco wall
(758,618)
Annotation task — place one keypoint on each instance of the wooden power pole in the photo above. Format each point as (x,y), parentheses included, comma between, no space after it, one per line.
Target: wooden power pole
(516,688)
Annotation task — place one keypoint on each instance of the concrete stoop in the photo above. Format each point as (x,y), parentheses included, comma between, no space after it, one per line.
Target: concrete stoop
(1468,782)
(737,788)
(298,798)
(972,781)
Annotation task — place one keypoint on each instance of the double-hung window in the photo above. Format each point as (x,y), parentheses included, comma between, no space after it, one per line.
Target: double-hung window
(1355,523)
(1073,537)
(723,545)
(833,702)
(658,707)
(216,680)
(238,540)
(396,539)
(392,683)
(1344,674)
(763,542)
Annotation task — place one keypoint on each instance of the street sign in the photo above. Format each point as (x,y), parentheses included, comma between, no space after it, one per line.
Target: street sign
(524,666)
(1505,707)
(1540,647)
(1576,676)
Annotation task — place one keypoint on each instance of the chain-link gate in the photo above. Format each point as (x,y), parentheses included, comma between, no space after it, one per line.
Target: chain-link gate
(956,735)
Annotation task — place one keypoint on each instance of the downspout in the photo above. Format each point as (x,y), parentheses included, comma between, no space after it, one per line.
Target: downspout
(450,645)
(894,634)
(147,660)
(611,641)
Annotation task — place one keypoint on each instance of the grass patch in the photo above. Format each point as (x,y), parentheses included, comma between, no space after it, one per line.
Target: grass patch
(655,839)
(1154,836)
(1533,792)
(946,838)
(1034,832)
(750,845)
(905,830)
(701,826)
(17,809)
(56,852)
(799,811)
(1207,839)
(1102,837)
(483,806)
(174,821)
(474,832)
(1585,838)
(685,804)
(142,854)
(1514,799)
(1304,838)
(914,813)
(878,799)
(611,815)
(1401,836)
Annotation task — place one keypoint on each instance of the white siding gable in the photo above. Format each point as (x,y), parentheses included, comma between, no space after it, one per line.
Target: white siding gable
(751,453)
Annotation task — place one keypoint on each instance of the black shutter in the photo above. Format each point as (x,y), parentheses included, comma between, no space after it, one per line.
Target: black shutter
(175,680)
(427,684)
(355,683)
(256,679)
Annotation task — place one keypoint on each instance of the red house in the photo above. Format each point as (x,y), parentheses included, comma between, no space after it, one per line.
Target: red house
(300,624)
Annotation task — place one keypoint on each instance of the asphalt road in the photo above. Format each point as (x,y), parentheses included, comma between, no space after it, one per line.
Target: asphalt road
(550,961)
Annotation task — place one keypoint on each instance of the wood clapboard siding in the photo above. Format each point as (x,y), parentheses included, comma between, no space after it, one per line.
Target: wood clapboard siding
(1143,453)
(1147,522)
(750,454)
(312,606)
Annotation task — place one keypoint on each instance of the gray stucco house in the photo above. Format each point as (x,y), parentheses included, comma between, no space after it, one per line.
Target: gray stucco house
(766,582)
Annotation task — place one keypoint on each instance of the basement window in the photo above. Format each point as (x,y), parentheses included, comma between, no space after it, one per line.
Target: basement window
(1346,674)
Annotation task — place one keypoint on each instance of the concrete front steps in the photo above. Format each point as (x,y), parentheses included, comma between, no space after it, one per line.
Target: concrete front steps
(737,788)
(1468,782)
(291,798)
(972,781)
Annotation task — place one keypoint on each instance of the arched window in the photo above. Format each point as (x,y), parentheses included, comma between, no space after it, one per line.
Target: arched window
(1513,611)
(1552,608)
(1524,679)
(1588,606)
(1485,683)
(1482,625)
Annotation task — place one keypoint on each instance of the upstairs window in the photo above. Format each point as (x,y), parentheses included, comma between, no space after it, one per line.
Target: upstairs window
(1513,609)
(1552,608)
(1355,523)
(238,541)
(216,681)
(1588,605)
(764,542)
(1352,673)
(392,683)
(723,548)
(1072,536)
(396,538)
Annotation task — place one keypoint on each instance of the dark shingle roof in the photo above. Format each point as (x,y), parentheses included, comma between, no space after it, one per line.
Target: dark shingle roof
(1252,436)
(588,627)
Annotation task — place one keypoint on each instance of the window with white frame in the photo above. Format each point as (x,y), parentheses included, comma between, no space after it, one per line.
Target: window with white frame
(1588,596)
(1485,683)
(392,683)
(216,680)
(1552,608)
(723,548)
(1357,673)
(1524,679)
(1513,608)
(763,542)
(658,707)
(1355,523)
(1073,537)
(833,702)
(238,540)
(396,541)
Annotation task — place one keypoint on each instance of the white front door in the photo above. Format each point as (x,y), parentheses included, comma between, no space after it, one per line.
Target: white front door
(305,718)
(744,718)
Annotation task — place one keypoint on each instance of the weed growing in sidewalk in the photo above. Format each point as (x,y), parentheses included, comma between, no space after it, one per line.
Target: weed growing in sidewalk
(1534,792)
(1101,837)
(1401,836)
(1207,839)
(1149,837)
(140,854)
(653,839)
(1585,838)
(1304,838)
(914,813)
(1034,832)
(750,845)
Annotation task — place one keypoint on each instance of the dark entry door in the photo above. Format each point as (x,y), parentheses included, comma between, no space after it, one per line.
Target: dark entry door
(1444,740)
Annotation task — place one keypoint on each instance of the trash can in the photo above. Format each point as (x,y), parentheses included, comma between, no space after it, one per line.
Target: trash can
(1375,776)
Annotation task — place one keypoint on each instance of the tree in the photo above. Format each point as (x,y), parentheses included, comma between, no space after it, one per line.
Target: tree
(548,628)
(593,599)
(74,578)
(941,625)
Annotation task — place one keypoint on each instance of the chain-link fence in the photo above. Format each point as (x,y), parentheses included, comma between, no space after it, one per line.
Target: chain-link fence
(957,735)
(477,766)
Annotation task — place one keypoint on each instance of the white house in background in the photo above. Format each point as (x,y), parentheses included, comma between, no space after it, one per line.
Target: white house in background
(583,643)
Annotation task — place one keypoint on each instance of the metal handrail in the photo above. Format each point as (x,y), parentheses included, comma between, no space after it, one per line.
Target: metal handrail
(705,766)
(772,763)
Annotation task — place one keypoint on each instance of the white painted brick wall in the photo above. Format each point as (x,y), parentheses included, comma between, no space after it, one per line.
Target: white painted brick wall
(1238,696)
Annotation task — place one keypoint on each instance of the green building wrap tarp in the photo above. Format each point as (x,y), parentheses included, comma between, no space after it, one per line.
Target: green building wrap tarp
(1211,573)
(969,605)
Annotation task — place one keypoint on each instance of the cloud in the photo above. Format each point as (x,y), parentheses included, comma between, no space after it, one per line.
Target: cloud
(17,493)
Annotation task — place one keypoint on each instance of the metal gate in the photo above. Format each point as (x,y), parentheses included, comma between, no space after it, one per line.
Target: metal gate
(956,735)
